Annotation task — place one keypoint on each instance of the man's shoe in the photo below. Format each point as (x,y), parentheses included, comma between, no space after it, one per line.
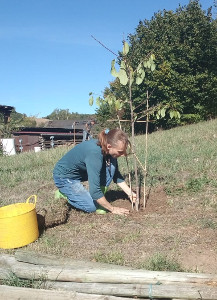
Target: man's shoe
(101,210)
(59,195)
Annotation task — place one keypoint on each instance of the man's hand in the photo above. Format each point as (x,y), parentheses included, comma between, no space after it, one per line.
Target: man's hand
(132,197)
(120,211)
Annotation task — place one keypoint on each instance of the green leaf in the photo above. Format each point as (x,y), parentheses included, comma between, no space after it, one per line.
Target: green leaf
(153,67)
(126,48)
(113,70)
(91,101)
(148,64)
(122,75)
(109,100)
(90,93)
(98,101)
(123,65)
(172,114)
(140,76)
(162,112)
(145,63)
(139,67)
(117,104)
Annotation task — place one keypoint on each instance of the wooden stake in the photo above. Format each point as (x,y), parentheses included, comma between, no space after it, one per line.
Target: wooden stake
(146,150)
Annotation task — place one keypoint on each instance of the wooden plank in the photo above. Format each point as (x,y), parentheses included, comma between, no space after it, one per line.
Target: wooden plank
(106,279)
(85,274)
(98,272)
(7,260)
(52,260)
(19,293)
(5,273)
(139,290)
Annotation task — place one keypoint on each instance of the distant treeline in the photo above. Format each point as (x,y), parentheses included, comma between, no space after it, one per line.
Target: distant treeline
(65,114)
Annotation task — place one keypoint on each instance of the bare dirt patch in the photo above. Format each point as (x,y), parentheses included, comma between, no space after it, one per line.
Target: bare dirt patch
(171,226)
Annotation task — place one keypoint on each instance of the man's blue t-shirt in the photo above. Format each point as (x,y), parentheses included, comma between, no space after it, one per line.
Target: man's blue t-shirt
(86,162)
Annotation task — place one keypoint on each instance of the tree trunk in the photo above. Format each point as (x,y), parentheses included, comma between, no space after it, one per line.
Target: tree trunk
(133,148)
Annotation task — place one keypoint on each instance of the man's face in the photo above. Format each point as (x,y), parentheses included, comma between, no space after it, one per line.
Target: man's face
(118,150)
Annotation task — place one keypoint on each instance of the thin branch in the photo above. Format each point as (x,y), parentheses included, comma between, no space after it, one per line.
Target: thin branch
(144,101)
(139,161)
(126,121)
(152,109)
(104,46)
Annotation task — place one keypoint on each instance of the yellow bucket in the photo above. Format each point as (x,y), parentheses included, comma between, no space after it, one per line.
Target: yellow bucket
(18,224)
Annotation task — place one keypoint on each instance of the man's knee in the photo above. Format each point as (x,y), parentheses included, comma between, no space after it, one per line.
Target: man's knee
(90,208)
(87,207)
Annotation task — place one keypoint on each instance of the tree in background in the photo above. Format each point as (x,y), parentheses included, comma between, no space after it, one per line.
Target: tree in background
(185,47)
(17,120)
(64,114)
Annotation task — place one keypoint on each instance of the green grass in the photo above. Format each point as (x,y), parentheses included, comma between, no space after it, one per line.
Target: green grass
(160,262)
(28,166)
(183,158)
(13,280)
(114,257)
(28,173)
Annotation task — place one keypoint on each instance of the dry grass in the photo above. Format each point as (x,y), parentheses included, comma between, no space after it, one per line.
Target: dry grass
(178,225)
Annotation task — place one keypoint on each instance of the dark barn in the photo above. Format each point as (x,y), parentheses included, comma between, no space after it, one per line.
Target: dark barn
(56,133)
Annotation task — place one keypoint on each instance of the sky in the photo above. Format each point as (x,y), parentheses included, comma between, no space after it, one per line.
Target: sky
(48,59)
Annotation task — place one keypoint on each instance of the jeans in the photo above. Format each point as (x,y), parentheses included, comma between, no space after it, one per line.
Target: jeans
(77,195)
(86,136)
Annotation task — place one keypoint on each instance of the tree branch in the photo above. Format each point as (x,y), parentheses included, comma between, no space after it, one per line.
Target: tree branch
(104,46)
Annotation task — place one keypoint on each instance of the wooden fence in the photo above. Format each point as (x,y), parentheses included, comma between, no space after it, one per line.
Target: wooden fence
(64,278)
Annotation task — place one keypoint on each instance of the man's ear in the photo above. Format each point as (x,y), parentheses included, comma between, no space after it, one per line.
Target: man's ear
(109,146)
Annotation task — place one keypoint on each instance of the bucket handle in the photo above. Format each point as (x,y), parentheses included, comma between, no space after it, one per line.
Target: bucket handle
(35,198)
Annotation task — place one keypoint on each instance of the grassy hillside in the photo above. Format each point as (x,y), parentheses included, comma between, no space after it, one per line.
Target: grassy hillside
(181,158)
(182,164)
